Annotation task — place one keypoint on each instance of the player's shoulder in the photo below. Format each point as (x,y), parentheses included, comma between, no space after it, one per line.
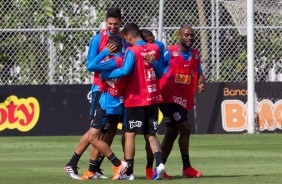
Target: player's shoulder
(195,51)
(159,43)
(96,36)
(103,32)
(100,33)
(172,47)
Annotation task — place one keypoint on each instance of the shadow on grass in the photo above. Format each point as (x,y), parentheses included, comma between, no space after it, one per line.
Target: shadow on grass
(209,176)
(225,176)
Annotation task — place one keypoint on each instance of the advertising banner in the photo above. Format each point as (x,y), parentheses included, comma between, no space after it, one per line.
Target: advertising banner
(46,110)
(222,108)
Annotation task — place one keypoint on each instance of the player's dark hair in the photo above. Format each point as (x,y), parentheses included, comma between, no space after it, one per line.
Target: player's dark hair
(113,13)
(184,26)
(146,32)
(132,29)
(117,41)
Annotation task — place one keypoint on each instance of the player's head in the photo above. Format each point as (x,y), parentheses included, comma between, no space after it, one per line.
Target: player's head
(131,32)
(186,36)
(117,41)
(148,36)
(113,20)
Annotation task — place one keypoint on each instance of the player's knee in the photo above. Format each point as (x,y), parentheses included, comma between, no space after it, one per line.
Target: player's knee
(184,132)
(94,135)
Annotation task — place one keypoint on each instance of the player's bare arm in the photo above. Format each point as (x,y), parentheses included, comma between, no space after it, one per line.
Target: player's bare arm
(201,83)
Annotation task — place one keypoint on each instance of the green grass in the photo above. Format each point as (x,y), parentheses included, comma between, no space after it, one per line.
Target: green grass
(238,158)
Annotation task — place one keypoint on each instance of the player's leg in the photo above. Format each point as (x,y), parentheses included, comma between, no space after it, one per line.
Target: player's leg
(170,136)
(133,123)
(179,116)
(150,159)
(119,166)
(95,139)
(71,166)
(108,138)
(83,144)
(183,141)
(151,128)
(96,158)
(94,155)
(129,153)
(94,166)
(171,132)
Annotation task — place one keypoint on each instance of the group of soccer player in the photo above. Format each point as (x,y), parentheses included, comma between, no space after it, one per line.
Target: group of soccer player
(134,77)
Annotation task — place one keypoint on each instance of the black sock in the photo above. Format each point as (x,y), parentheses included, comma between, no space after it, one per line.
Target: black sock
(130,163)
(74,159)
(99,162)
(185,161)
(150,162)
(116,162)
(164,160)
(93,165)
(159,158)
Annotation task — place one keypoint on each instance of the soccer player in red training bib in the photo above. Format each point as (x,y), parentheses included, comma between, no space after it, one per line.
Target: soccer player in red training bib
(142,96)
(149,37)
(182,74)
(97,44)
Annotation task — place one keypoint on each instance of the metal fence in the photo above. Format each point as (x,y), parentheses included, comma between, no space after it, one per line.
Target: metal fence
(46,41)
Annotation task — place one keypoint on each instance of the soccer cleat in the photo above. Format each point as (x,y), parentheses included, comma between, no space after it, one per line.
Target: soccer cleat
(158,172)
(88,175)
(119,170)
(191,173)
(126,177)
(149,172)
(72,171)
(166,176)
(100,174)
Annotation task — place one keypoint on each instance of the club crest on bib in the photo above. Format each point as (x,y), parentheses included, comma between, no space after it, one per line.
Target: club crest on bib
(176,116)
(197,56)
(104,33)
(175,54)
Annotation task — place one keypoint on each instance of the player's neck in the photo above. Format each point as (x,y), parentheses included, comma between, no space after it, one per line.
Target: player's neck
(183,49)
(137,39)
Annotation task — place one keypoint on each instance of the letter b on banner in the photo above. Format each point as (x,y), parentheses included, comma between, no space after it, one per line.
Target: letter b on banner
(233,115)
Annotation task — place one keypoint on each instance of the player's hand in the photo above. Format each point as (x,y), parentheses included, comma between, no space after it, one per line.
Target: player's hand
(111,48)
(149,58)
(202,87)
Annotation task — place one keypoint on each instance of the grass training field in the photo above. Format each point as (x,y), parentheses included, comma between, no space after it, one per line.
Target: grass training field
(233,158)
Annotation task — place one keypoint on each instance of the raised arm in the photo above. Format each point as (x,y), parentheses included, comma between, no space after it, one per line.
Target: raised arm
(125,69)
(93,50)
(97,65)
(157,66)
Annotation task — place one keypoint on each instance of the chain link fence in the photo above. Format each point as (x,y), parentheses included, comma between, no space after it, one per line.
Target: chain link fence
(46,41)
